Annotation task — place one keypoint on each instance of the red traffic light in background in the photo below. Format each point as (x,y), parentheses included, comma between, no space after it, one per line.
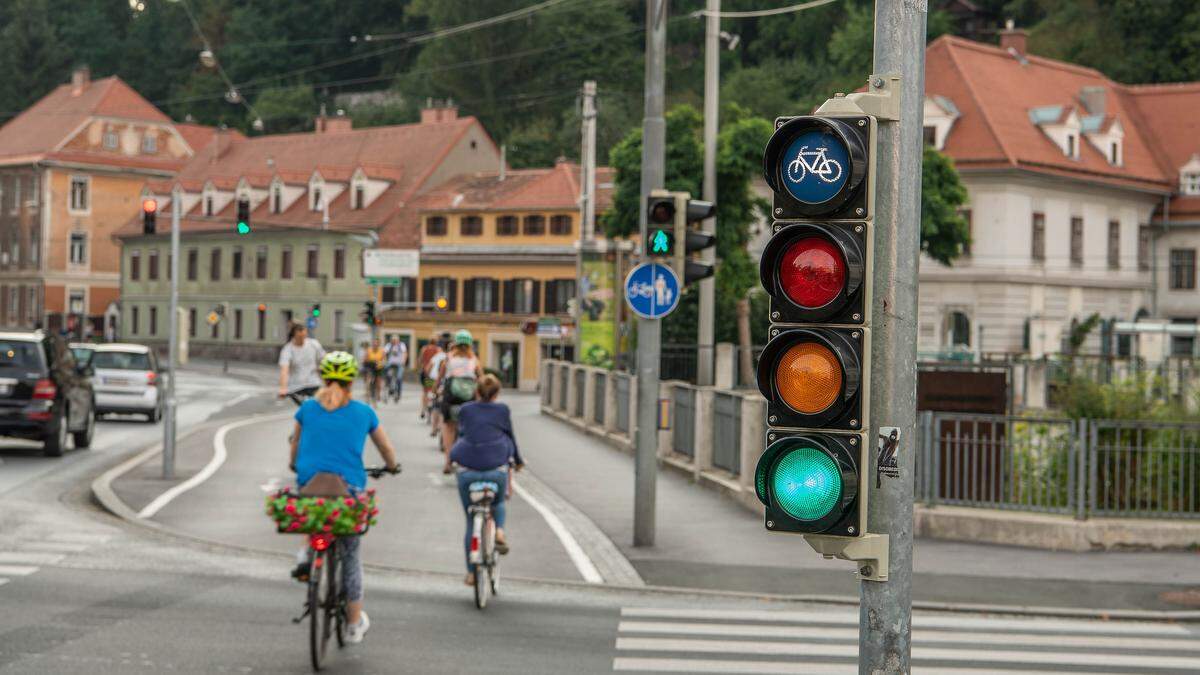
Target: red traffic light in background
(149,215)
(149,205)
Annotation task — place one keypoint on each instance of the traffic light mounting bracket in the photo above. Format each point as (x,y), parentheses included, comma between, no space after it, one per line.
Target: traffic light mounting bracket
(870,551)
(881,100)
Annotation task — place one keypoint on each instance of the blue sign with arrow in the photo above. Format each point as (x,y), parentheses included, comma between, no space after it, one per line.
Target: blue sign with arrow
(652,290)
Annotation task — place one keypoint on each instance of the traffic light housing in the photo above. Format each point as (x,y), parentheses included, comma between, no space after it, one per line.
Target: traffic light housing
(671,237)
(243,216)
(368,313)
(149,215)
(814,477)
(660,224)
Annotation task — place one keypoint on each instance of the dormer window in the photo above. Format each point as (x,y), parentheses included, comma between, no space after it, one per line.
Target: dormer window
(276,198)
(315,185)
(1071,149)
(149,144)
(208,205)
(1062,126)
(1190,183)
(110,140)
(316,198)
(1114,153)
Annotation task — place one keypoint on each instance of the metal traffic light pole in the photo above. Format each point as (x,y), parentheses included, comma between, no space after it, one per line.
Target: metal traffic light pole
(649,333)
(885,609)
(173,340)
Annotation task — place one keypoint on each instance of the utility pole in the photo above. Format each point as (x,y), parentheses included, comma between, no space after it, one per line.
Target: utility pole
(173,339)
(587,205)
(885,609)
(649,333)
(712,95)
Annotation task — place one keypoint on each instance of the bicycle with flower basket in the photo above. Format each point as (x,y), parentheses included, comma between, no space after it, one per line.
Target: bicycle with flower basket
(324,519)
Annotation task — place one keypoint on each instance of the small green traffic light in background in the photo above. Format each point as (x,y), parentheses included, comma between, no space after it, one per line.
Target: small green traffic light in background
(243,217)
(316,311)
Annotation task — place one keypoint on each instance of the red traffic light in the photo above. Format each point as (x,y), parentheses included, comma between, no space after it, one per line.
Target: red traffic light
(815,272)
(812,272)
(149,205)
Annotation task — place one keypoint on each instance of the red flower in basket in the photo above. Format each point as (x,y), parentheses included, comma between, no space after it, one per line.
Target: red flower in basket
(293,527)
(349,502)
(371,492)
(335,513)
(320,501)
(290,508)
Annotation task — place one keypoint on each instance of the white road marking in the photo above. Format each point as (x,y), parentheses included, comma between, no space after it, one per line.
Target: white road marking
(587,569)
(18,570)
(17,558)
(218,458)
(79,537)
(54,547)
(792,667)
(3,581)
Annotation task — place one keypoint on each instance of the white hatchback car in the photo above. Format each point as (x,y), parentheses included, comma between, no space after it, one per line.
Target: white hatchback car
(126,379)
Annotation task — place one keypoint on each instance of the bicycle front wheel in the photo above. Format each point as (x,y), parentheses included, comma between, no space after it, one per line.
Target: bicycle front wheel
(318,594)
(483,585)
(335,608)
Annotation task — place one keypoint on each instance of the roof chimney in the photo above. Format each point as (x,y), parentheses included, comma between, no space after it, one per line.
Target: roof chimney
(80,79)
(438,111)
(334,125)
(1093,100)
(1013,39)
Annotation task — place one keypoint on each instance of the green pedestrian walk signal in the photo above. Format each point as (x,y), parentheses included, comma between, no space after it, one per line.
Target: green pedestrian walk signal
(661,243)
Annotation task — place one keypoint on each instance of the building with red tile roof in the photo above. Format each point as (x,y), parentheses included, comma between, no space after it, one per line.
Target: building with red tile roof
(1082,191)
(71,167)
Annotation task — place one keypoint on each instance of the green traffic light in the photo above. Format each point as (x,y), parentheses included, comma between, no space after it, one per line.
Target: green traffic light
(660,243)
(806,483)
(243,228)
(316,312)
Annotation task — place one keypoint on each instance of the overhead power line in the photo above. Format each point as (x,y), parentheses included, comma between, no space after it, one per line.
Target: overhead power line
(764,12)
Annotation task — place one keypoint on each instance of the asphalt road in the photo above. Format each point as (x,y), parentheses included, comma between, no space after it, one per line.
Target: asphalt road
(84,592)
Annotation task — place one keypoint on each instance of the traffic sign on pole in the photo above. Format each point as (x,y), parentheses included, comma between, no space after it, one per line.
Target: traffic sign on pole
(652,290)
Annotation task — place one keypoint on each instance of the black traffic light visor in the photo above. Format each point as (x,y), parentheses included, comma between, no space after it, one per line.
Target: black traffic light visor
(843,350)
(848,244)
(815,164)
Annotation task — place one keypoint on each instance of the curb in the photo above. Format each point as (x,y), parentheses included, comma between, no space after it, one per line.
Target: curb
(106,497)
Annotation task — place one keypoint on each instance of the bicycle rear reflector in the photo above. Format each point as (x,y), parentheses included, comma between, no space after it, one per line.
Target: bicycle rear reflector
(809,484)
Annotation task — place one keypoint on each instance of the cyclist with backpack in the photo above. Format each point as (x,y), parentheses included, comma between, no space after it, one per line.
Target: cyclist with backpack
(457,379)
(327,456)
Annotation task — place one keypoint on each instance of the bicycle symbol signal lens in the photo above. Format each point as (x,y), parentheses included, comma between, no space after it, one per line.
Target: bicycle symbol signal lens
(815,166)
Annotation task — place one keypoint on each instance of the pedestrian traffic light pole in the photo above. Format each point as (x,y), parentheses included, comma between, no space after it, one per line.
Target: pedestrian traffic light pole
(648,330)
(712,87)
(885,609)
(173,339)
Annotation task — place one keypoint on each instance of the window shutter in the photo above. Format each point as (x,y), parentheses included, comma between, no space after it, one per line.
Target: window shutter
(536,303)
(495,306)
(427,292)
(453,299)
(549,303)
(469,304)
(508,304)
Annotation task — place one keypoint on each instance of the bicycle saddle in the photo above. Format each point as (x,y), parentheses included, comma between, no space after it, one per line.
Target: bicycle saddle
(482,489)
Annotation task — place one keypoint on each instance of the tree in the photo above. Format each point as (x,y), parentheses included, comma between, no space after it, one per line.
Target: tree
(944,230)
(32,60)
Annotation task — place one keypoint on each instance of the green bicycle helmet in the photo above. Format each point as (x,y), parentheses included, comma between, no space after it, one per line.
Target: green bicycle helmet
(339,366)
(463,337)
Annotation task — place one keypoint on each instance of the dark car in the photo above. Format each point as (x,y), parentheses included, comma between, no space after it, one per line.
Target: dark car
(45,394)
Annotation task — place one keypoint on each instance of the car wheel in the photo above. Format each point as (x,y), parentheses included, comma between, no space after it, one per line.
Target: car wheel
(155,416)
(56,437)
(83,438)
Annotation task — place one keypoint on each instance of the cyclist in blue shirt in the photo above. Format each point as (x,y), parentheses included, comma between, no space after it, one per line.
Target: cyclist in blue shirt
(331,430)
(484,449)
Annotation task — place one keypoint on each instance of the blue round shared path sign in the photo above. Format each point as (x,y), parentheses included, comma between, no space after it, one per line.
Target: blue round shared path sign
(652,290)
(815,166)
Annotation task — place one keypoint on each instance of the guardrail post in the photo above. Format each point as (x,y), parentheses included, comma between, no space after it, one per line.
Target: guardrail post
(926,458)
(753,442)
(703,432)
(935,457)
(610,401)
(666,441)
(1079,450)
(1093,483)
(589,398)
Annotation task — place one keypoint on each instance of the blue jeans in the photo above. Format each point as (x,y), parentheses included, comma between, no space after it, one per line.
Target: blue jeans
(465,478)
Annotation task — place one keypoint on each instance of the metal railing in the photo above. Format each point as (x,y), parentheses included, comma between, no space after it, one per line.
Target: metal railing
(599,384)
(621,383)
(727,432)
(1147,469)
(683,427)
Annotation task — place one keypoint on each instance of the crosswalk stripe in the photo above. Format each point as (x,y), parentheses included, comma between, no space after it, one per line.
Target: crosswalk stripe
(1027,638)
(54,547)
(3,581)
(79,537)
(919,652)
(919,621)
(30,558)
(792,667)
(18,570)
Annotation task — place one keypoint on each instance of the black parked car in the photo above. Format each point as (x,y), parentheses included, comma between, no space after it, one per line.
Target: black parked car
(45,394)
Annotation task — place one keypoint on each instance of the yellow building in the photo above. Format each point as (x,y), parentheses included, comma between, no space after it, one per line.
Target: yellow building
(501,249)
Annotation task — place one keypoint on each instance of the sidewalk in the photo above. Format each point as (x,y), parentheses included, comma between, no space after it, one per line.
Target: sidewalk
(709,541)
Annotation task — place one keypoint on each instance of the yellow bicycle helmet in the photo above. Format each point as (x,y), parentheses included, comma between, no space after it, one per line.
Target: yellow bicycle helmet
(339,366)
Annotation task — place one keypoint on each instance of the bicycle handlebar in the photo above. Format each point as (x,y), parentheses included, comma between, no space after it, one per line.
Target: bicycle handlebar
(378,471)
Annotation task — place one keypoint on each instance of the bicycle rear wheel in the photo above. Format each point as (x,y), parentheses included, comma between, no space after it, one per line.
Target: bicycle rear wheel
(318,592)
(335,610)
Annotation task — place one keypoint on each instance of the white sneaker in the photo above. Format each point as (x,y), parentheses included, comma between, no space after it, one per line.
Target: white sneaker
(355,632)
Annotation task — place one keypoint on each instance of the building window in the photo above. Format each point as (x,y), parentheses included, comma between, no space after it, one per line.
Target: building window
(316,198)
(75,302)
(339,262)
(441,287)
(153,320)
(520,296)
(133,320)
(14,296)
(1077,241)
(135,265)
(262,322)
(1183,269)
(276,199)
(558,293)
(16,202)
(360,196)
(402,293)
(214,264)
(560,225)
(535,224)
(79,202)
(929,133)
(1114,153)
(149,144)
(506,226)
(1183,345)
(1189,183)
(1070,145)
(435,226)
(208,205)
(1114,244)
(285,263)
(958,330)
(35,245)
(78,248)
(480,295)
(193,262)
(1143,248)
(235,263)
(260,262)
(310,268)
(152,264)
(1038,239)
(31,307)
(237,324)
(471,226)
(110,140)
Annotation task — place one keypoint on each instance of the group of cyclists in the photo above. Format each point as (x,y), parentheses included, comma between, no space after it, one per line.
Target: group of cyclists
(459,399)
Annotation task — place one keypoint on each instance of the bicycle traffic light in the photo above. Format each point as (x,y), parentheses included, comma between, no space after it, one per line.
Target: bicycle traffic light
(669,235)
(814,476)
(149,215)
(243,216)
